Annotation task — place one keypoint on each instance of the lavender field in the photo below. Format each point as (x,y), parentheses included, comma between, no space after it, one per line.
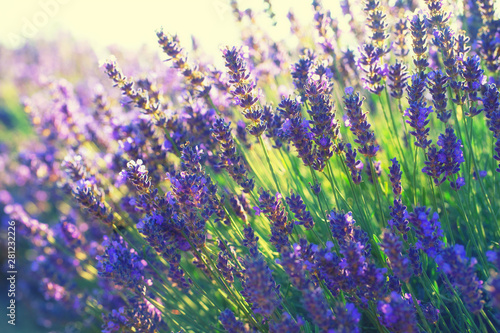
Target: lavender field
(345,178)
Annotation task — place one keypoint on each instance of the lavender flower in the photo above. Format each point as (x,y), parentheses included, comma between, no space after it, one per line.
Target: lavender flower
(298,208)
(140,315)
(163,233)
(281,228)
(238,208)
(395,177)
(401,32)
(419,118)
(298,132)
(488,48)
(229,157)
(393,249)
(450,155)
(491,100)
(399,216)
(244,91)
(250,240)
(293,265)
(274,122)
(230,323)
(398,314)
(418,112)
(376,22)
(315,303)
(139,96)
(446,41)
(122,265)
(259,288)
(70,234)
(419,37)
(196,196)
(286,324)
(460,270)
(437,84)
(342,226)
(354,166)
(428,230)
(137,174)
(370,279)
(323,24)
(438,18)
(377,171)
(359,124)
(196,83)
(85,192)
(346,318)
(325,127)
(369,63)
(433,166)
(223,264)
(473,75)
(487,10)
(398,76)
(327,265)
(493,285)
(301,70)
(416,264)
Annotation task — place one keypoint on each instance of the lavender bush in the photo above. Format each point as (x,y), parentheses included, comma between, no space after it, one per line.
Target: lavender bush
(311,189)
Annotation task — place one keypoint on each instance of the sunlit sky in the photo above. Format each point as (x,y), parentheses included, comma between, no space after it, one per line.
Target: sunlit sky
(133,23)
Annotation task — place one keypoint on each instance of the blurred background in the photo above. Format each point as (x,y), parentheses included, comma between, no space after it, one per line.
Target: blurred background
(131,25)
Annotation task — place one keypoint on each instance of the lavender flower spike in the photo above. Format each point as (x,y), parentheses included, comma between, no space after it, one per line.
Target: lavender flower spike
(359,124)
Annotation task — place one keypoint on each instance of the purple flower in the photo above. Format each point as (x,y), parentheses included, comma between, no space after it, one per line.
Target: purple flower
(450,155)
(460,270)
(395,177)
(354,166)
(259,288)
(293,264)
(229,158)
(433,166)
(315,304)
(376,22)
(473,75)
(398,314)
(250,240)
(244,91)
(298,208)
(398,75)
(419,119)
(122,265)
(230,323)
(393,249)
(359,125)
(399,219)
(139,314)
(369,63)
(286,324)
(281,228)
(428,230)
(437,83)
(419,36)
(401,32)
(325,127)
(297,131)
(301,70)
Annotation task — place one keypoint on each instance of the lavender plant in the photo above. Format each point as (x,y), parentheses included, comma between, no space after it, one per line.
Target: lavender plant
(280,193)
